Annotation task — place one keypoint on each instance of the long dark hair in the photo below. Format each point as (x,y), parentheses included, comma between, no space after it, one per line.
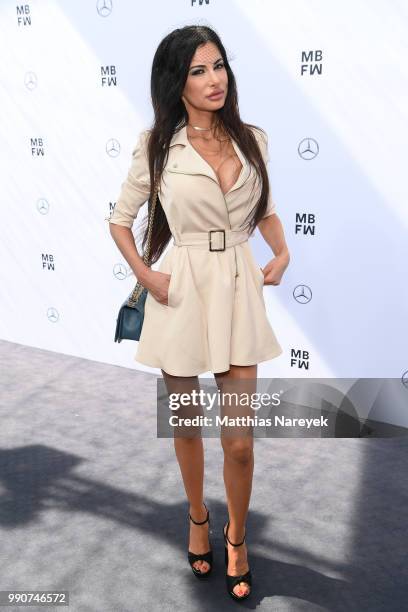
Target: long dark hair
(170,69)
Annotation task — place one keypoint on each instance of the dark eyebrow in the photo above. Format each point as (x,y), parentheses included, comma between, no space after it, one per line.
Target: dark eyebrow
(203,65)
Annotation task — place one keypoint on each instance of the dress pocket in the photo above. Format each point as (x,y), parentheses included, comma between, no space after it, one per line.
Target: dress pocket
(170,288)
(261,277)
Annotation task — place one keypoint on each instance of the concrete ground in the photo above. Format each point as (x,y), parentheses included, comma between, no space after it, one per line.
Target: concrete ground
(92,502)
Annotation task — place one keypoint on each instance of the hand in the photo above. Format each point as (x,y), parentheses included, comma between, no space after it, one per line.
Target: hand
(157,283)
(274,269)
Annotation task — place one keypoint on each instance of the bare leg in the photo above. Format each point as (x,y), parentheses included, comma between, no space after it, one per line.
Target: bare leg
(190,457)
(238,473)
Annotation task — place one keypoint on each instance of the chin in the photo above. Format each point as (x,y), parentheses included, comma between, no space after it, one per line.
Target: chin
(216,103)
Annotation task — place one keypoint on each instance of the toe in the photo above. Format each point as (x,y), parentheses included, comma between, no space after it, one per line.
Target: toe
(241,589)
(202,566)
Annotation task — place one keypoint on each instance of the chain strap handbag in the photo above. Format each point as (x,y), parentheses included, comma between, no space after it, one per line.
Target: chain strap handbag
(131,314)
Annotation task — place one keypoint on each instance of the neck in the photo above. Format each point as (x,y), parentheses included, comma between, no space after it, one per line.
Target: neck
(205,121)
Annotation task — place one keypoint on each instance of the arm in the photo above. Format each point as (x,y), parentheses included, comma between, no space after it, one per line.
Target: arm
(125,242)
(135,191)
(271,229)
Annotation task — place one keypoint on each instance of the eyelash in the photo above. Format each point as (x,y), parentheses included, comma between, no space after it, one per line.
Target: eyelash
(221,64)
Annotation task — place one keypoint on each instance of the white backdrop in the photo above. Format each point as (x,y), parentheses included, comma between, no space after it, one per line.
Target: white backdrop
(326,80)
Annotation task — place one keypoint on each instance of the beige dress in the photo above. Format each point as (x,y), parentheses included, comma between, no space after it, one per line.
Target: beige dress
(216,312)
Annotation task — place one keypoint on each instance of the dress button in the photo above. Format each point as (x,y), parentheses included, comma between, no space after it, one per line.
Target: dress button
(174,165)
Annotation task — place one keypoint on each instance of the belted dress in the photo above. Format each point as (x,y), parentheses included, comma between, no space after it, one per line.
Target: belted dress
(216,315)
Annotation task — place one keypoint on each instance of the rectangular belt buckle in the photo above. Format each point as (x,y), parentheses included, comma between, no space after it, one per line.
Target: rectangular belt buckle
(209,238)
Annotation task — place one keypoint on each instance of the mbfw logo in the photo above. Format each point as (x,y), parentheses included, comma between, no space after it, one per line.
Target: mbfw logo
(308,149)
(108,76)
(299,358)
(111,208)
(113,147)
(48,262)
(302,294)
(23,15)
(37,147)
(43,206)
(199,2)
(305,223)
(311,62)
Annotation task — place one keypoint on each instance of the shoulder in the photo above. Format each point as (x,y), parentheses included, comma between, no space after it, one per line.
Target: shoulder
(142,141)
(144,136)
(259,133)
(261,138)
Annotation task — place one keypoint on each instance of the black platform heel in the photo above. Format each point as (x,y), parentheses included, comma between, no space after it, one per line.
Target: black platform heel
(232,581)
(208,556)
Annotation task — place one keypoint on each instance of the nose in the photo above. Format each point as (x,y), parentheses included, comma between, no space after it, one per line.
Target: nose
(214,78)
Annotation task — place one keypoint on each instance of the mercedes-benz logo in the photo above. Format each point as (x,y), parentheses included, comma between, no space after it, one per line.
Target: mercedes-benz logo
(119,271)
(52,314)
(404,379)
(113,147)
(42,206)
(104,7)
(30,80)
(302,294)
(308,148)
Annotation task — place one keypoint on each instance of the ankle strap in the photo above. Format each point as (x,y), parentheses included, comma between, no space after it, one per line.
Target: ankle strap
(202,522)
(229,541)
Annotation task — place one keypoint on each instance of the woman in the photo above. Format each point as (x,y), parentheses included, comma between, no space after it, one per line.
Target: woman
(204,309)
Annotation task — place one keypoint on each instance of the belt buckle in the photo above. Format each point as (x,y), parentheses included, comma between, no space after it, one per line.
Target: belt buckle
(209,239)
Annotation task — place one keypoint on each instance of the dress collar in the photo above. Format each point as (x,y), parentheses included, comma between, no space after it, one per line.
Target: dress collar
(180,137)
(189,161)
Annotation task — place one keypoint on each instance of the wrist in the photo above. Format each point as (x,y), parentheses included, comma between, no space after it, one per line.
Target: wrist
(283,255)
(144,274)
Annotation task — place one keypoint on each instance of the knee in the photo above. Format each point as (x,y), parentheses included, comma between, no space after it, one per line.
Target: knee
(239,450)
(188,439)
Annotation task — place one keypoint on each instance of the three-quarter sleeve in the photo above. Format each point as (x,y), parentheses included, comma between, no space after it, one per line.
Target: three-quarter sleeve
(135,190)
(262,139)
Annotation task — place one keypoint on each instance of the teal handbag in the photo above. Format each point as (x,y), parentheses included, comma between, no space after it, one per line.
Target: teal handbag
(130,317)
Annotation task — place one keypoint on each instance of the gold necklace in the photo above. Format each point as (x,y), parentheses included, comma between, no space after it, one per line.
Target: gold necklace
(219,150)
(199,128)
